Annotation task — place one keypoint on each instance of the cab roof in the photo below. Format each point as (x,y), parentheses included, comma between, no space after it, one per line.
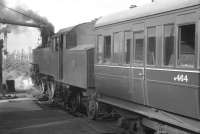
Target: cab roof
(146,10)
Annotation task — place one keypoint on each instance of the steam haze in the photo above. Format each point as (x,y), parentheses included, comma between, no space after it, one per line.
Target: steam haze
(23,37)
(27,16)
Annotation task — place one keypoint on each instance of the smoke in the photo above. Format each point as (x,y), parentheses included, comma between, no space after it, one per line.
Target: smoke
(27,16)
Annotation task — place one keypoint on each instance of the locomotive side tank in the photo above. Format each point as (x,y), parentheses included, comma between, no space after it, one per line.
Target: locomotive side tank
(78,62)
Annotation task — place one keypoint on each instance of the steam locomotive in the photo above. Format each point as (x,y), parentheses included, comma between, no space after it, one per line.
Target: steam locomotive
(143,62)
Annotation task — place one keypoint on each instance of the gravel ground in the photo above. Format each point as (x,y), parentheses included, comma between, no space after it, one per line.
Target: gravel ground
(24,115)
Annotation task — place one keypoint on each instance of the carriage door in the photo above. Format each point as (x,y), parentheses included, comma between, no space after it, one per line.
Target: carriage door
(137,67)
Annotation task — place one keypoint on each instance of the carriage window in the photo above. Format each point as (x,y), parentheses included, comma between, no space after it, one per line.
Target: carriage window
(117,44)
(151,46)
(100,49)
(107,48)
(127,46)
(52,45)
(69,40)
(56,43)
(139,47)
(168,48)
(61,42)
(186,46)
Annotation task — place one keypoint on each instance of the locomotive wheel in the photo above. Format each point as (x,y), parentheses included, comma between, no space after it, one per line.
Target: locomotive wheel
(42,87)
(75,102)
(93,107)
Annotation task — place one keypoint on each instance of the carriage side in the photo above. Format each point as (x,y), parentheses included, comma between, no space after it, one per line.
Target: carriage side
(149,57)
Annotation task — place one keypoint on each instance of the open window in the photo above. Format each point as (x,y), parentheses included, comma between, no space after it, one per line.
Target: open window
(168,46)
(107,49)
(186,45)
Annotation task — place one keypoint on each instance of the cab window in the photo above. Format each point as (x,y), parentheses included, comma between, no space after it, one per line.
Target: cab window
(186,45)
(168,46)
(139,47)
(151,46)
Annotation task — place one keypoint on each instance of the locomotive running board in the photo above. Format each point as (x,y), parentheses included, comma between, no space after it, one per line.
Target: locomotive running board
(153,114)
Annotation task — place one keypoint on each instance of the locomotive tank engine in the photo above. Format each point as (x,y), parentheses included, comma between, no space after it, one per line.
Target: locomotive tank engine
(64,68)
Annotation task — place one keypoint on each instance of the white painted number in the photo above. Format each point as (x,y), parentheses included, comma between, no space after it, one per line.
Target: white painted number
(181,78)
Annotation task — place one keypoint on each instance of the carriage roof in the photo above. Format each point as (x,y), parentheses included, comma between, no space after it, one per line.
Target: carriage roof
(68,29)
(146,10)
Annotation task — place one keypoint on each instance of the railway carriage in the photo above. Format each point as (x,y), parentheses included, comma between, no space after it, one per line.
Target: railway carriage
(148,57)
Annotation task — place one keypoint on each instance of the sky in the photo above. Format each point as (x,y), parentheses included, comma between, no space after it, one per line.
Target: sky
(64,13)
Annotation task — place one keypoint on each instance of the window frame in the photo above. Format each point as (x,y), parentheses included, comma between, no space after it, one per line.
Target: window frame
(173,65)
(134,61)
(111,49)
(120,53)
(56,44)
(156,53)
(178,65)
(131,48)
(67,41)
(97,49)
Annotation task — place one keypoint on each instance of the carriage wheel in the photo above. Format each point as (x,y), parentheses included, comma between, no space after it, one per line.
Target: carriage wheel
(93,107)
(75,102)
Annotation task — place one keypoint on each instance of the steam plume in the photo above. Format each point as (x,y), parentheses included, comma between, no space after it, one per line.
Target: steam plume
(29,16)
